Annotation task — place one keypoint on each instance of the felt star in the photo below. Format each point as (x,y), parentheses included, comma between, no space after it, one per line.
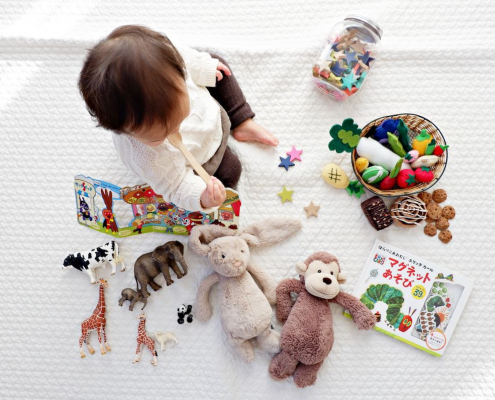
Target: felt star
(350,57)
(365,58)
(348,80)
(285,195)
(294,154)
(363,65)
(359,46)
(361,79)
(311,210)
(335,79)
(337,55)
(337,69)
(286,163)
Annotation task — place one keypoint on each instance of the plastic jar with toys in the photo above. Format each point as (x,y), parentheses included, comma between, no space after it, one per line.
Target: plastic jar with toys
(347,57)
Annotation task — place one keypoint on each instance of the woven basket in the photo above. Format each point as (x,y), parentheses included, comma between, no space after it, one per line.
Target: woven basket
(415,124)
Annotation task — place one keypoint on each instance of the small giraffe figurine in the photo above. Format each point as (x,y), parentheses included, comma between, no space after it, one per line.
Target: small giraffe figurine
(96,321)
(144,339)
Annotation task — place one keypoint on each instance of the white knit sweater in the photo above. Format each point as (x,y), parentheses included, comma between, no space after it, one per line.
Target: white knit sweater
(164,167)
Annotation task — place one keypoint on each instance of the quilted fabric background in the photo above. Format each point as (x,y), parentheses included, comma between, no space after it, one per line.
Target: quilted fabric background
(437,61)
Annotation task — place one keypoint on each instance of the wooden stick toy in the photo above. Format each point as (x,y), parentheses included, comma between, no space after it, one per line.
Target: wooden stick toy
(175,140)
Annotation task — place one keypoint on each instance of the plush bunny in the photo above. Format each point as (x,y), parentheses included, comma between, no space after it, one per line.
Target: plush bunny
(245,308)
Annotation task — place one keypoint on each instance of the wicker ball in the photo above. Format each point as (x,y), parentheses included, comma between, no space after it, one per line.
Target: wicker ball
(415,123)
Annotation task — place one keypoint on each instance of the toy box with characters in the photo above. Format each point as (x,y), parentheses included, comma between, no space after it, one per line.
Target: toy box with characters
(413,300)
(128,211)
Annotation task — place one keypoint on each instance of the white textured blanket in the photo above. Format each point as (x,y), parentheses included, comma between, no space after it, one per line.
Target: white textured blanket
(437,61)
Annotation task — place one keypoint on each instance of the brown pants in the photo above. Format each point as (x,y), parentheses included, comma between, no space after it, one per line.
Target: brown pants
(228,94)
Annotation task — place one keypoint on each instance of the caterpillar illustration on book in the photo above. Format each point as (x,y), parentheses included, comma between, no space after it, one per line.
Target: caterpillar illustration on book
(394,299)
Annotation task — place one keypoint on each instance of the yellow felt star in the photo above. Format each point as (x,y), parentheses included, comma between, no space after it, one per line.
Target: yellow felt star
(311,210)
(286,195)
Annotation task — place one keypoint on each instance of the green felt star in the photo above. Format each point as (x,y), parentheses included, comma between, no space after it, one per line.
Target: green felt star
(425,168)
(355,188)
(348,81)
(344,137)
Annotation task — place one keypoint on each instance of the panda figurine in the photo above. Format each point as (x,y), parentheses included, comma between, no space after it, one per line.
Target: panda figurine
(184,311)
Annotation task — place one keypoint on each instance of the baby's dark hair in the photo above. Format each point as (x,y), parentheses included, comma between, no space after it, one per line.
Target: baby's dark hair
(131,79)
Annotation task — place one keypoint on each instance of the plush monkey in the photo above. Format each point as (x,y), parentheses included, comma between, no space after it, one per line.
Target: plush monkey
(307,336)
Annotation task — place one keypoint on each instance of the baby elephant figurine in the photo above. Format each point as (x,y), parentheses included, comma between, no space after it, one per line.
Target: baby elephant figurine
(132,296)
(159,261)
(245,307)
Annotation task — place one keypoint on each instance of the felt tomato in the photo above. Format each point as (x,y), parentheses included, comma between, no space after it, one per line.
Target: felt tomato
(406,178)
(388,183)
(423,174)
(439,149)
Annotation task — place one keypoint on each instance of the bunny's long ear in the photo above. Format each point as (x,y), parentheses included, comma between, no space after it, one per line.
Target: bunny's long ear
(271,231)
(202,235)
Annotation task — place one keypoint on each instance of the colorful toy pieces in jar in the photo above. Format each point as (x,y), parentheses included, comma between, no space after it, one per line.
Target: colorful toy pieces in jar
(347,57)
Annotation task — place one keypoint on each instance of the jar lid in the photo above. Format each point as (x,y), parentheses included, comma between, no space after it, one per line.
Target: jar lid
(373,26)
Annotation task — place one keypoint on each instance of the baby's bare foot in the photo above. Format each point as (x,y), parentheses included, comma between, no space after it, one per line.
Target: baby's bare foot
(250,131)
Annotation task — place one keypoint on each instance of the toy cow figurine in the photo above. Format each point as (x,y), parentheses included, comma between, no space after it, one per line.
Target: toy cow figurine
(88,261)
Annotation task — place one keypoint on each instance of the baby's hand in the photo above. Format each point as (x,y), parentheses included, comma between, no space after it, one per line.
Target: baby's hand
(224,68)
(214,194)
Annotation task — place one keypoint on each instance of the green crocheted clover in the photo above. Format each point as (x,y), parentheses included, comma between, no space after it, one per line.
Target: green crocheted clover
(344,137)
(355,188)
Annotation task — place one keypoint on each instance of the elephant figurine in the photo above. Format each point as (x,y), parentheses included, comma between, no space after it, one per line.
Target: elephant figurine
(150,265)
(132,296)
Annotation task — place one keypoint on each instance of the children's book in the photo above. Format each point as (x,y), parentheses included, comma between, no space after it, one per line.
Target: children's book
(133,210)
(413,300)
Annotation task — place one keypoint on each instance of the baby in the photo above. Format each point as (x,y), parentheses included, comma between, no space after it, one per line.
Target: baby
(140,86)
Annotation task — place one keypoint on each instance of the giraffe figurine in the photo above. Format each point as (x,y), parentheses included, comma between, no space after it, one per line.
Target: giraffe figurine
(144,339)
(96,321)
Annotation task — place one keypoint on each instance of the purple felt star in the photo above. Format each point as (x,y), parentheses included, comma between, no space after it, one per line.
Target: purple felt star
(286,163)
(365,58)
(350,57)
(337,69)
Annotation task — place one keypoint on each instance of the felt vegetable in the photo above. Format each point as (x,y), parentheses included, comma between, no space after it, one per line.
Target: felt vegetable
(425,161)
(406,178)
(374,174)
(430,147)
(355,188)
(388,183)
(344,137)
(396,145)
(335,176)
(421,142)
(361,164)
(424,174)
(403,131)
(439,149)
(396,169)
(411,156)
(382,130)
(378,154)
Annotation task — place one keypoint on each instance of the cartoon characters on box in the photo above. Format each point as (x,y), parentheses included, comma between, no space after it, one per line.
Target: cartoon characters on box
(150,211)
